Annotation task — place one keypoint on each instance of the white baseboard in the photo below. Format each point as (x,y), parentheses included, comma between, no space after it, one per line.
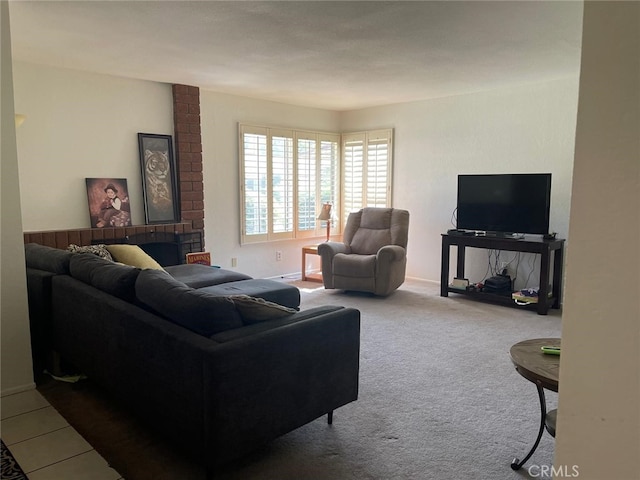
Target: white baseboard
(423,279)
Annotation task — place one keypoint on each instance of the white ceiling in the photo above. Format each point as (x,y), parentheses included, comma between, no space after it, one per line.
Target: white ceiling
(331,55)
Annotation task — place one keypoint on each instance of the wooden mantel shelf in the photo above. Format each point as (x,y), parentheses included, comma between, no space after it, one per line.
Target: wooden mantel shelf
(85,236)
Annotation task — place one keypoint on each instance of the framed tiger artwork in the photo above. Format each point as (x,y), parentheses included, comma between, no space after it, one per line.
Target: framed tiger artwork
(159,184)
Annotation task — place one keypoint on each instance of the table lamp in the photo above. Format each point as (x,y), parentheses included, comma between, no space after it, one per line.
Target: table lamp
(325,215)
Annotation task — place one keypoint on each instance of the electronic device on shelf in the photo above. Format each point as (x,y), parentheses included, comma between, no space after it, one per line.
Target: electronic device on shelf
(455,231)
(504,204)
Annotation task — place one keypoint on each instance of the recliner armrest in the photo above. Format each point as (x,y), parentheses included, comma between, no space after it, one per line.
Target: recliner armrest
(391,253)
(390,269)
(332,248)
(327,251)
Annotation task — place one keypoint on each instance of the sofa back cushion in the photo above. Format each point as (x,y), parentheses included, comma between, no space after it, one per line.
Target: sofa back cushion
(112,278)
(46,258)
(199,311)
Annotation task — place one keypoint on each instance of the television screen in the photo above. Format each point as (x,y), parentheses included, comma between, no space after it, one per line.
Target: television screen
(504,203)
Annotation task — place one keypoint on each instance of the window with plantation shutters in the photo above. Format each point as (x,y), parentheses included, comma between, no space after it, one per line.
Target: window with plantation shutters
(378,172)
(366,171)
(282,184)
(306,184)
(286,176)
(254,147)
(353,170)
(329,180)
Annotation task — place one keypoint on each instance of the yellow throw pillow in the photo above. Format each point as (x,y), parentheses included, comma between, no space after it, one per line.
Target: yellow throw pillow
(132,255)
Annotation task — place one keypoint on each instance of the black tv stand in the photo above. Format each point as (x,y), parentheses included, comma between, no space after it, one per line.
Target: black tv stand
(537,245)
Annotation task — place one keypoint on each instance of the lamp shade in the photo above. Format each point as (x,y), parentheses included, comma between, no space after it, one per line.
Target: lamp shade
(325,213)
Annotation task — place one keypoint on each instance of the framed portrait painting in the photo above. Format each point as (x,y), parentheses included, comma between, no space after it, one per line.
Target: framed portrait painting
(159,184)
(108,202)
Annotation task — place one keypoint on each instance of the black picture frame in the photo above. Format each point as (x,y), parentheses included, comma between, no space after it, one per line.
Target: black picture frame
(159,178)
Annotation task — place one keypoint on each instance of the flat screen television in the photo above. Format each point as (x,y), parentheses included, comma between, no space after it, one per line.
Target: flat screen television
(504,203)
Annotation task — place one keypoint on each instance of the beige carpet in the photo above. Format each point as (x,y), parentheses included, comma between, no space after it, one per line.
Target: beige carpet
(439,399)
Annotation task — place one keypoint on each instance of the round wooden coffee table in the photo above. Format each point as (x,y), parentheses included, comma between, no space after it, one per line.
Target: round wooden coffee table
(541,369)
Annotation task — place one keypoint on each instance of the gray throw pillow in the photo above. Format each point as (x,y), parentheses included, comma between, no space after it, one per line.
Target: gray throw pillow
(254,310)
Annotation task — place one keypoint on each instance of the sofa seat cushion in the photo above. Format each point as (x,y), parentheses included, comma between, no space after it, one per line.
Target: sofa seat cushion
(117,280)
(46,258)
(361,266)
(198,276)
(271,290)
(194,309)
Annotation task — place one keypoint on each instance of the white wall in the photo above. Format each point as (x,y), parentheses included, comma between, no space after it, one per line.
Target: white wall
(220,115)
(513,130)
(81,125)
(17,369)
(598,426)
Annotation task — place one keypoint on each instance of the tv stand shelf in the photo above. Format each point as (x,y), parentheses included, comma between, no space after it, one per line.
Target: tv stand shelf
(537,245)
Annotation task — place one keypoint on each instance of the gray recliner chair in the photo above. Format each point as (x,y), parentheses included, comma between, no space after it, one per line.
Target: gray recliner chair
(373,257)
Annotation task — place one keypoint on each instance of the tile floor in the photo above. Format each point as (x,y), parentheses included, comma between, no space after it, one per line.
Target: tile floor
(45,445)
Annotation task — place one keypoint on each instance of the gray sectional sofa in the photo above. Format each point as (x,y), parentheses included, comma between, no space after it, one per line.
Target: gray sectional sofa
(218,375)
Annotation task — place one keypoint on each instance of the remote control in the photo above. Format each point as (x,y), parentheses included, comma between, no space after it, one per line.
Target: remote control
(550,350)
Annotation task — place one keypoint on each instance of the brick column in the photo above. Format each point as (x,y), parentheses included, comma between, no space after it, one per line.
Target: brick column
(188,143)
